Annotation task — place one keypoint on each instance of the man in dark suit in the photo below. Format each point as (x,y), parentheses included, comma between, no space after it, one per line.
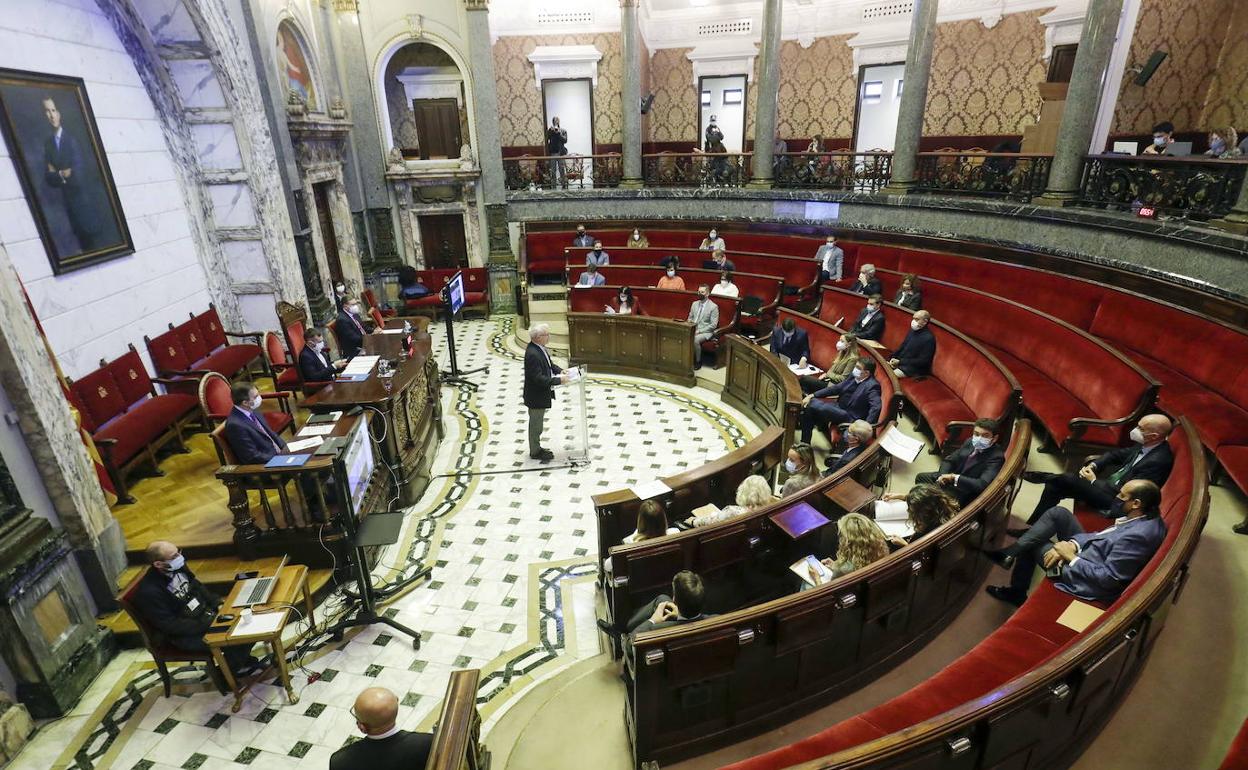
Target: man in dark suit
(582,238)
(683,606)
(857,436)
(1096,566)
(966,472)
(1148,458)
(867,283)
(64,165)
(314,363)
(540,376)
(251,438)
(180,608)
(857,398)
(385,746)
(870,323)
(789,339)
(914,357)
(350,328)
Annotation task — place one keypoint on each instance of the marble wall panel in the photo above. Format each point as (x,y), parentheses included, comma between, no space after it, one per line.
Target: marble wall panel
(216,146)
(197,84)
(167,19)
(245,260)
(96,311)
(258,311)
(231,205)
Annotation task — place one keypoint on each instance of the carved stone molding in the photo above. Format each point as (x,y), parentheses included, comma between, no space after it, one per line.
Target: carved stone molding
(477,5)
(887,46)
(717,58)
(1062,26)
(565,62)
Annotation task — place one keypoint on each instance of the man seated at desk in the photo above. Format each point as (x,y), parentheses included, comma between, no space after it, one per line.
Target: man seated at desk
(251,438)
(350,328)
(180,608)
(683,606)
(314,363)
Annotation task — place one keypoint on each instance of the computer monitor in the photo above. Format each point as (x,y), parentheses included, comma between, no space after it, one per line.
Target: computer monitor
(455,292)
(357,461)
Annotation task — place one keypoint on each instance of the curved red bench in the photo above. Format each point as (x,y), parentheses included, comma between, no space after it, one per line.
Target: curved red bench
(1033,692)
(658,303)
(476,288)
(1080,388)
(967,382)
(127,418)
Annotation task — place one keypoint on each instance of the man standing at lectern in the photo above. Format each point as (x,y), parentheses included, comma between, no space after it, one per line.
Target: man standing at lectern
(540,376)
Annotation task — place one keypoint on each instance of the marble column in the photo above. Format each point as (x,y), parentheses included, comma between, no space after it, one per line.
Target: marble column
(913,97)
(1074,136)
(768,87)
(630,98)
(500,260)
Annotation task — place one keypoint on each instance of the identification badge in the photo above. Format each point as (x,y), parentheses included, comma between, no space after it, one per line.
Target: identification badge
(193,604)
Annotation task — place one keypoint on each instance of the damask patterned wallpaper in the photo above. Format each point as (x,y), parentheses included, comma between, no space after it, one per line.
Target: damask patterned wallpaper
(984,80)
(1227,103)
(817,90)
(520,103)
(1192,32)
(674,116)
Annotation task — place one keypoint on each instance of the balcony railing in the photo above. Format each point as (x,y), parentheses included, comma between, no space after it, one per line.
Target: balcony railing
(696,169)
(547,172)
(850,171)
(989,174)
(1181,187)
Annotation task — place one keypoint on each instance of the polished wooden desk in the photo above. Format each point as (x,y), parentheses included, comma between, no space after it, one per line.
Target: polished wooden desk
(759,384)
(639,346)
(292,581)
(408,402)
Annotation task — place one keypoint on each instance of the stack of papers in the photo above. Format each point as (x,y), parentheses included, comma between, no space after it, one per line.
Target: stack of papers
(316,430)
(360,365)
(899,445)
(651,489)
(258,623)
(302,444)
(808,369)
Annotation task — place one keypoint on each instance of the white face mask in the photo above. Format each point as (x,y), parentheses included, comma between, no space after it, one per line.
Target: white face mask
(636,236)
(915,325)
(671,273)
(841,344)
(1137,435)
(790,466)
(724,281)
(318,346)
(256,402)
(714,235)
(353,309)
(176,563)
(340,290)
(857,372)
(981,442)
(870,308)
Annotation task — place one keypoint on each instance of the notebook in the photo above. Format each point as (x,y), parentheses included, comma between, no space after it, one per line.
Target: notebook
(287,461)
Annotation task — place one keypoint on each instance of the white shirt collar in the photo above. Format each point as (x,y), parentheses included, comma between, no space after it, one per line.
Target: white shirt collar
(383,736)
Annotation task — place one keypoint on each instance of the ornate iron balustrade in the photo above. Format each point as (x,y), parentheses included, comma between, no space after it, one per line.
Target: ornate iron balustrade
(990,174)
(554,172)
(1184,187)
(696,169)
(851,171)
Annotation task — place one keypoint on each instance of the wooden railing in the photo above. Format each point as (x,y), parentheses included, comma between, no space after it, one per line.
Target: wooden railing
(1198,188)
(841,170)
(988,174)
(457,734)
(554,172)
(696,169)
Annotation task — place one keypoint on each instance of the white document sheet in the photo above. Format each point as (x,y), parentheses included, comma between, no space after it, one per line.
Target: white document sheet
(901,446)
(302,444)
(259,623)
(650,489)
(361,364)
(316,430)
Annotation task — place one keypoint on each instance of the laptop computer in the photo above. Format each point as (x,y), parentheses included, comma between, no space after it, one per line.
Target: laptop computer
(257,590)
(1179,149)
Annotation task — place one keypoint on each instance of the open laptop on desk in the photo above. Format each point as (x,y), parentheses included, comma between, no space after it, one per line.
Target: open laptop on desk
(257,590)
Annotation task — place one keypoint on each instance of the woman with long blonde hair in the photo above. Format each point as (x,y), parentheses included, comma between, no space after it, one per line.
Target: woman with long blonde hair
(861,542)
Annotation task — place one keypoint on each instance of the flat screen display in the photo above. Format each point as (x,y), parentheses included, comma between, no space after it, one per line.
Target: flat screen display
(357,459)
(455,292)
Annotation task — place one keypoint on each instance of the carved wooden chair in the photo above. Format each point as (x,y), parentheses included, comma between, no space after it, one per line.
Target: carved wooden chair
(164,654)
(216,401)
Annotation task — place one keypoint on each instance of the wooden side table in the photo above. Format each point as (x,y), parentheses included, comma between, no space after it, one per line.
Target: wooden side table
(292,581)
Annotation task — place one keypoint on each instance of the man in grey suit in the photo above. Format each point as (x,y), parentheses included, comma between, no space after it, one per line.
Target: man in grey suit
(704,315)
(683,606)
(1093,566)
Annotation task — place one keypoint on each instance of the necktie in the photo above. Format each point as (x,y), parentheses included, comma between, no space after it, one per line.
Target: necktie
(1117,476)
(256,420)
(970,460)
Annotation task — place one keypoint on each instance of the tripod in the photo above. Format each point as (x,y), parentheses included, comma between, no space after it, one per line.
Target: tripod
(377,529)
(456,376)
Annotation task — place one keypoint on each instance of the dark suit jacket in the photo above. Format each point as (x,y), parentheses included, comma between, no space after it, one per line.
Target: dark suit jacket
(795,348)
(169,615)
(313,367)
(873,329)
(916,352)
(914,301)
(251,442)
(350,333)
(846,458)
(539,378)
(401,751)
(860,399)
(1155,466)
(1110,559)
(870,287)
(973,478)
(583,240)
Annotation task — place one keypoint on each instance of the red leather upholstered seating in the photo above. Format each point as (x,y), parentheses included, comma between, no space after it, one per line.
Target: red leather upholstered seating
(658,303)
(1029,638)
(200,345)
(476,288)
(1237,756)
(127,418)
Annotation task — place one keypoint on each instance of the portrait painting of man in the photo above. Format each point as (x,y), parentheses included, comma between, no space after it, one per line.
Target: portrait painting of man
(54,144)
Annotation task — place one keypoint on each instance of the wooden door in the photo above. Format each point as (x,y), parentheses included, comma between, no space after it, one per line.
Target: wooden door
(437,128)
(329,239)
(442,240)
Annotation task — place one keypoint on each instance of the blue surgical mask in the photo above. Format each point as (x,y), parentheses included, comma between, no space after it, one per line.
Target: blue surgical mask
(981,442)
(1159,141)
(1218,146)
(176,563)
(671,273)
(790,466)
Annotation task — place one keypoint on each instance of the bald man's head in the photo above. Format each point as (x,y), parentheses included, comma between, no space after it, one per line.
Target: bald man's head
(1154,428)
(376,710)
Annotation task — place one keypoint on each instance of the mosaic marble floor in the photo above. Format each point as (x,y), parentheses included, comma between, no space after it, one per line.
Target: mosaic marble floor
(511,591)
